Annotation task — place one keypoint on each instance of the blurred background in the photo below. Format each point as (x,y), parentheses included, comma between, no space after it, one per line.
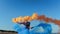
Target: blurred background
(13,8)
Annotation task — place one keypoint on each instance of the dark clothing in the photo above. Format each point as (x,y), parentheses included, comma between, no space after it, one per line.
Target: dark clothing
(27,24)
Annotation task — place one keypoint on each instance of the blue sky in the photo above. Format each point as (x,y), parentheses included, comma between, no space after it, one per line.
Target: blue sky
(13,8)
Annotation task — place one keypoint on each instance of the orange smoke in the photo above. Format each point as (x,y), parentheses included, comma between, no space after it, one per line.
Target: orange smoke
(35,17)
